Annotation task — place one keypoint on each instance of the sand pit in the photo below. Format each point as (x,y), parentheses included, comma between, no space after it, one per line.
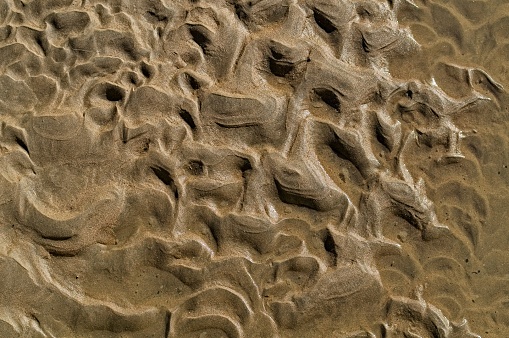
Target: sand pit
(271,168)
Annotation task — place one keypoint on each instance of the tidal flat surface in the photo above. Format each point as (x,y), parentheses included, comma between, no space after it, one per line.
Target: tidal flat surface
(271,168)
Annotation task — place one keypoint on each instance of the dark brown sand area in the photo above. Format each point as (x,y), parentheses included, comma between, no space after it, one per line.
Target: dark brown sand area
(272,168)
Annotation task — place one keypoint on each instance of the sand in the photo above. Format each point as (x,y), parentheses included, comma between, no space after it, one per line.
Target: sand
(272,168)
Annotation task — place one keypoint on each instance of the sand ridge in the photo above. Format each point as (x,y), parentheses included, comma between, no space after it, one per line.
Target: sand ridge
(237,169)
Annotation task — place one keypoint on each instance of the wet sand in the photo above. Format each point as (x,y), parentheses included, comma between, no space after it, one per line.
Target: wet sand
(304,168)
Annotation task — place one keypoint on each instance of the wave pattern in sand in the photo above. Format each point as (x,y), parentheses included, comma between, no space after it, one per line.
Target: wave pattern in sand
(230,169)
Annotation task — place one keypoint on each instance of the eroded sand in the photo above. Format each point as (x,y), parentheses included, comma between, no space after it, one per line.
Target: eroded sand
(253,168)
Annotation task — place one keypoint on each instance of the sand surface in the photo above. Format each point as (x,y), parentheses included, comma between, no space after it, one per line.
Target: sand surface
(271,168)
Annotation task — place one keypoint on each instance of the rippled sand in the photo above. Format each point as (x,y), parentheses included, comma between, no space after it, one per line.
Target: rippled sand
(272,168)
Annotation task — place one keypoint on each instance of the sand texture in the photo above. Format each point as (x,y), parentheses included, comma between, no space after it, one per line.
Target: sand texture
(271,168)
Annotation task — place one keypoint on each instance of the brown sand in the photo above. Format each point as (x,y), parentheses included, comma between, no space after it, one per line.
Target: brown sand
(272,168)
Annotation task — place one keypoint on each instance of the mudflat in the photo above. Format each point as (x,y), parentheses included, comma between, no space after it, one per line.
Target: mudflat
(271,168)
